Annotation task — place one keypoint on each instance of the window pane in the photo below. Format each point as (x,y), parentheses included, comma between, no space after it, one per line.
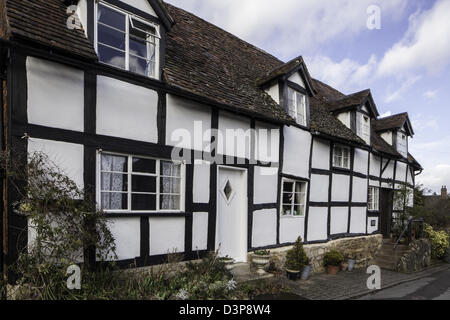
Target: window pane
(300,187)
(142,202)
(287,198)
(111,17)
(144,165)
(288,186)
(300,198)
(170,202)
(138,65)
(286,210)
(111,56)
(138,47)
(114,182)
(143,183)
(114,163)
(138,26)
(111,37)
(170,185)
(114,201)
(169,169)
(299,210)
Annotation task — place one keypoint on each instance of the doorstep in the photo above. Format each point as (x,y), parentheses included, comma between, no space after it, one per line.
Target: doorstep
(242,272)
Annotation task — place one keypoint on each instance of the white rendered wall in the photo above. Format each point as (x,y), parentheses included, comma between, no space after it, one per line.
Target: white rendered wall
(291,229)
(201,181)
(142,5)
(345,118)
(166,235)
(374,183)
(319,188)
(200,231)
(359,190)
(317,224)
(321,154)
(264,228)
(274,92)
(339,220)
(375,166)
(389,172)
(267,144)
(55,95)
(127,235)
(68,157)
(358,220)
(371,229)
(125,110)
(265,186)
(188,124)
(361,161)
(340,188)
(296,78)
(236,135)
(387,136)
(297,146)
(400,172)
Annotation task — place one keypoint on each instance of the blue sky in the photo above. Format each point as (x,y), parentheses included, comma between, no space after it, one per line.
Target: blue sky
(406,63)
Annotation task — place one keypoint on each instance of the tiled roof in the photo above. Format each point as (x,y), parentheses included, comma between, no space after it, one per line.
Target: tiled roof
(352,100)
(45,22)
(210,62)
(381,145)
(391,122)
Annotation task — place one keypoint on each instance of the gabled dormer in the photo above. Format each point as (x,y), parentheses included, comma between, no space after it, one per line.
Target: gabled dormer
(290,85)
(127,34)
(396,131)
(356,111)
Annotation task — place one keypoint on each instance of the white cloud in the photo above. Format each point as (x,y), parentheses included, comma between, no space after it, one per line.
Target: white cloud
(398,94)
(292,27)
(426,44)
(421,122)
(435,177)
(387,114)
(430,94)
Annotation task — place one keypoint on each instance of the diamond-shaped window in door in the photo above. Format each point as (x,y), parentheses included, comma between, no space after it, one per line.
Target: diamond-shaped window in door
(227,191)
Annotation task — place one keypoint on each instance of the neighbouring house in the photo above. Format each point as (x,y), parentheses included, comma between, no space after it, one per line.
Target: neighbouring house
(438,208)
(135,99)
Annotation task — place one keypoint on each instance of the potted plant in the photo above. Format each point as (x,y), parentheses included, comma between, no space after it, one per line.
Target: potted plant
(229,262)
(261,259)
(332,261)
(344,265)
(295,260)
(306,270)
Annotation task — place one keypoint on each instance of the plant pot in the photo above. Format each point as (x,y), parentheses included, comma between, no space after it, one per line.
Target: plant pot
(229,263)
(351,264)
(292,274)
(260,262)
(344,266)
(332,270)
(306,272)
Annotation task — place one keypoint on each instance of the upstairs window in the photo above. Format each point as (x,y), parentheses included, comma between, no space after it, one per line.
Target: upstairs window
(297,106)
(374,197)
(363,127)
(341,157)
(402,144)
(127,42)
(293,198)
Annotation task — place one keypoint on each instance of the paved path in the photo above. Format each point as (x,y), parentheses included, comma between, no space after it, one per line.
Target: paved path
(351,285)
(435,286)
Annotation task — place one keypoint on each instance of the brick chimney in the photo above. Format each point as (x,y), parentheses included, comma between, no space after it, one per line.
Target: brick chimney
(444,192)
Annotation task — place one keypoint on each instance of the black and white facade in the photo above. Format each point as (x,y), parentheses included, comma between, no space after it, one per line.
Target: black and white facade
(179,171)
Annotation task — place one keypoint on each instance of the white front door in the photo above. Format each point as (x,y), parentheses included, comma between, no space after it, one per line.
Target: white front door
(231,227)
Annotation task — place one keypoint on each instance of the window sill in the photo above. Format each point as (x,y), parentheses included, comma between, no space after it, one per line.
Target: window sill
(292,217)
(127,73)
(146,214)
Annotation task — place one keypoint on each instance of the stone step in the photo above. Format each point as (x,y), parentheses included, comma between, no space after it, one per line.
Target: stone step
(392,252)
(388,256)
(385,265)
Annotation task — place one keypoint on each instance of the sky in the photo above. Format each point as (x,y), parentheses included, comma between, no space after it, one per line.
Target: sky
(404,60)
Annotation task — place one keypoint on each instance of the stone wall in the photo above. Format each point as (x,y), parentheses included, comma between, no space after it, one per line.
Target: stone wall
(416,258)
(362,248)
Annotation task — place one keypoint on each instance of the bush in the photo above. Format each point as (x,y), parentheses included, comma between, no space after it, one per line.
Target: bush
(333,258)
(262,253)
(296,258)
(439,241)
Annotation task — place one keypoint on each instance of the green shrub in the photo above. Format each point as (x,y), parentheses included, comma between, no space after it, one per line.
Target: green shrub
(439,241)
(262,253)
(296,258)
(333,258)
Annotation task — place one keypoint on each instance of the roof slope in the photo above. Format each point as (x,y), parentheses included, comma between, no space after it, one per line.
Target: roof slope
(351,100)
(45,22)
(210,62)
(392,122)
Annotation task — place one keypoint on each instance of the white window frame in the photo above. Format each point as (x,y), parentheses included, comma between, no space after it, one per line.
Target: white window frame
(363,127)
(342,157)
(129,192)
(373,203)
(296,105)
(128,18)
(293,204)
(402,148)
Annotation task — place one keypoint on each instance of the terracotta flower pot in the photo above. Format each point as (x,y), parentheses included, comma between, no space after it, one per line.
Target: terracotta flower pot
(332,270)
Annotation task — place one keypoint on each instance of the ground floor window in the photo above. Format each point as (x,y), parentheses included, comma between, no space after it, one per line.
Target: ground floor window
(293,198)
(374,199)
(137,184)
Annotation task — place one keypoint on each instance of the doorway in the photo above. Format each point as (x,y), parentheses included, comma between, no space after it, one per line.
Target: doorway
(386,202)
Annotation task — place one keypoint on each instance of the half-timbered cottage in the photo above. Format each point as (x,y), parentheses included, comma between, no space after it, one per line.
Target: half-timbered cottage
(135,100)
